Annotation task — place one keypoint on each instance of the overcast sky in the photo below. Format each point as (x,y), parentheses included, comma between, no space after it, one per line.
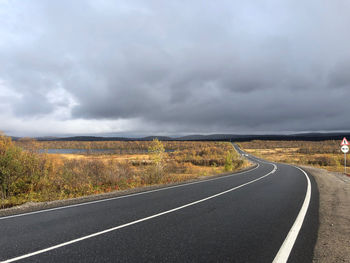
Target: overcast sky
(174,67)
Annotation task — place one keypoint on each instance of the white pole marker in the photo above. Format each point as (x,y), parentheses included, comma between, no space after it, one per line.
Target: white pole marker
(345,149)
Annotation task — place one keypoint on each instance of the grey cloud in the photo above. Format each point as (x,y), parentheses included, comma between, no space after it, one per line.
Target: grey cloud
(339,76)
(183,66)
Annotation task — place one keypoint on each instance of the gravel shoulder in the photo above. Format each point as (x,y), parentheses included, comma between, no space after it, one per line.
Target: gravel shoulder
(333,241)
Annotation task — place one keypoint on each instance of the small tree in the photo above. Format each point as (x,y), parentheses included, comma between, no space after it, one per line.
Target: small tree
(19,170)
(231,161)
(228,161)
(157,156)
(11,165)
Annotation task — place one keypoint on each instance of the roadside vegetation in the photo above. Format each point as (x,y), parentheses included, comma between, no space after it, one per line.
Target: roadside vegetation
(28,174)
(324,154)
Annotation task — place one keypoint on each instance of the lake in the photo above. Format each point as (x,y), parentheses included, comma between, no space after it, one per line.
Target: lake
(99,151)
(76,151)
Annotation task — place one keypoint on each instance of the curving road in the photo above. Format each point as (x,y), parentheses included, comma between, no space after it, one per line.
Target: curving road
(266,214)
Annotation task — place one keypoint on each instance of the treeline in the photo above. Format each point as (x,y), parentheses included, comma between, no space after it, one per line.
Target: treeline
(27,175)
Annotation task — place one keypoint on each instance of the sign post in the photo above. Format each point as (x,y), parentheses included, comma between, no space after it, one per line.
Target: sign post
(345,150)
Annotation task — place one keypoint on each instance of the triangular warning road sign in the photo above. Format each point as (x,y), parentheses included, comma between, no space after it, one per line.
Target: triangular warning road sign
(344,142)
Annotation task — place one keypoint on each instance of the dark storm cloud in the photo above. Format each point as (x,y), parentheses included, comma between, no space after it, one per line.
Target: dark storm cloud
(340,75)
(176,66)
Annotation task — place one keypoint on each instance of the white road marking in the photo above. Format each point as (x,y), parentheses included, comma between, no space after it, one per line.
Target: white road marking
(125,196)
(136,221)
(286,248)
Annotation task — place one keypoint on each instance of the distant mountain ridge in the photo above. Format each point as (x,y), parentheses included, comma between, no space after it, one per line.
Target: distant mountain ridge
(210,137)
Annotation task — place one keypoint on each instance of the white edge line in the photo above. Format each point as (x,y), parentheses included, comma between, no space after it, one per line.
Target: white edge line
(125,196)
(286,248)
(134,222)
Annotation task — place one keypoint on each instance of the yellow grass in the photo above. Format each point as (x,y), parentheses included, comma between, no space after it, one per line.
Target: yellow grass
(192,171)
(324,154)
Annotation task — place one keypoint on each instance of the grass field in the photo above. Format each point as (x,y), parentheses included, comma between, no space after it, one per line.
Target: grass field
(325,154)
(27,174)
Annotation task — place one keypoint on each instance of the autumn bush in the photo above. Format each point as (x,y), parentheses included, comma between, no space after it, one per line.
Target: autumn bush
(232,161)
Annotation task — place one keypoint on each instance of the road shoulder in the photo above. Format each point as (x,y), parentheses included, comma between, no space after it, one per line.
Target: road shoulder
(333,243)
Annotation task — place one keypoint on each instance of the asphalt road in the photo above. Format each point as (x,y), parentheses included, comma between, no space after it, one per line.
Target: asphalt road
(244,217)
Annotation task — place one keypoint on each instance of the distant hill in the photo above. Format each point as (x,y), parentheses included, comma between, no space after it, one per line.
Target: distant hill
(211,137)
(214,137)
(90,138)
(161,138)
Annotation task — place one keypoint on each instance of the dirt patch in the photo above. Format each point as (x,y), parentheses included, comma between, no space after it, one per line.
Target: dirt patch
(333,241)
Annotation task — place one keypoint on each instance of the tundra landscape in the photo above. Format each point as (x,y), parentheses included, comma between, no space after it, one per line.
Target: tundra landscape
(29,174)
(174,131)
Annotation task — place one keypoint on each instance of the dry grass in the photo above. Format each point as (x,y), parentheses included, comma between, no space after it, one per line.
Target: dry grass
(190,171)
(325,154)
